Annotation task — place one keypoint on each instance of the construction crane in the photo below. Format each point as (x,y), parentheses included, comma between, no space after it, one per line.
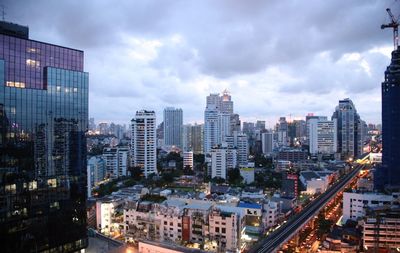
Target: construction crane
(395,25)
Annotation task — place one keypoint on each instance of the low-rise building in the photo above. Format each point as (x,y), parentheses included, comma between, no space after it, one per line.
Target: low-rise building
(381,229)
(356,203)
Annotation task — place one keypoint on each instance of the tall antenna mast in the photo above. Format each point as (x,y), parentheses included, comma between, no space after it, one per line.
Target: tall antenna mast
(395,25)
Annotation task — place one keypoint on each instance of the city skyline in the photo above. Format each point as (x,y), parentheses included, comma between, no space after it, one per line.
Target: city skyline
(175,54)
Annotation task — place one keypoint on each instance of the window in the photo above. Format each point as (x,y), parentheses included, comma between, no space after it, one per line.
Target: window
(216,229)
(223,230)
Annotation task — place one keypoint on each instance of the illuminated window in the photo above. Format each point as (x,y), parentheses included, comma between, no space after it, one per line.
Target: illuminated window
(58,88)
(11,188)
(13,110)
(15,84)
(75,89)
(32,50)
(52,182)
(32,185)
(32,63)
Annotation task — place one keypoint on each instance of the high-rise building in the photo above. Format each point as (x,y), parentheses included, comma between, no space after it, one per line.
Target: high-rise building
(260,125)
(211,128)
(192,138)
(43,120)
(242,145)
(188,159)
(96,172)
(267,142)
(322,135)
(224,127)
(223,158)
(197,138)
(235,122)
(349,138)
(226,103)
(116,161)
(173,122)
(143,142)
(391,122)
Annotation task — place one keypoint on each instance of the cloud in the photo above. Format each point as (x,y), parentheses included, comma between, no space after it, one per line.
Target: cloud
(277,58)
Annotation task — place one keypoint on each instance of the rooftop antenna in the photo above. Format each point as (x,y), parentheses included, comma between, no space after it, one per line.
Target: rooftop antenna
(395,25)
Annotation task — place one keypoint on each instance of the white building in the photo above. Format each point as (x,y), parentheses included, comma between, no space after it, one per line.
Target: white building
(247,174)
(224,126)
(225,226)
(322,135)
(270,215)
(173,124)
(96,172)
(143,142)
(314,181)
(242,145)
(211,129)
(355,203)
(222,159)
(116,161)
(188,159)
(106,215)
(267,143)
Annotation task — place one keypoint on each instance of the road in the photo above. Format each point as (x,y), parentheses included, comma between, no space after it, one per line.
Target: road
(273,241)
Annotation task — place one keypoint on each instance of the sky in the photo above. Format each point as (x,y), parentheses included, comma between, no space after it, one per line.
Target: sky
(276,58)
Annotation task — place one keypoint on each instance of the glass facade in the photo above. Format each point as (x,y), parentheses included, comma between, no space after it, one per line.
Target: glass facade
(43,120)
(389,173)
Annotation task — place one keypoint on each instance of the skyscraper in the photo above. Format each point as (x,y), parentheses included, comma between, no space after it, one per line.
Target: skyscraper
(226,102)
(43,120)
(322,135)
(391,122)
(210,128)
(173,122)
(349,137)
(143,142)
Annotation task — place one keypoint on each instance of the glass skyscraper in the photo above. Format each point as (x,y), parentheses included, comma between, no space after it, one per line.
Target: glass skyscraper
(43,120)
(389,174)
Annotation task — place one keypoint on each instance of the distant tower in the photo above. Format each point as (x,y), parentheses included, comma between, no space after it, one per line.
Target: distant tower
(349,129)
(143,142)
(173,126)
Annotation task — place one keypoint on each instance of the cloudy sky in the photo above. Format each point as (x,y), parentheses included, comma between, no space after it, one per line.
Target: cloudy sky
(277,58)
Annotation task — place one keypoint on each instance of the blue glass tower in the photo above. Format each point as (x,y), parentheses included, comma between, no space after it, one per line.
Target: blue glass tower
(43,120)
(391,124)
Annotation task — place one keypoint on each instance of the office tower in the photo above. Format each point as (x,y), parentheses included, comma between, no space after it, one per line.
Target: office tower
(248,128)
(224,127)
(267,142)
(235,122)
(260,125)
(160,135)
(143,142)
(103,128)
(391,122)
(43,120)
(300,128)
(173,122)
(92,125)
(211,128)
(322,135)
(187,137)
(242,145)
(282,130)
(197,138)
(214,100)
(116,161)
(349,139)
(226,103)
(96,172)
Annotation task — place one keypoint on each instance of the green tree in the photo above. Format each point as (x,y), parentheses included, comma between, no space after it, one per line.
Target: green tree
(234,177)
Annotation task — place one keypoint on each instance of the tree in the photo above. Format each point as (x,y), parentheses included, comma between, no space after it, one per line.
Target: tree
(234,177)
(136,173)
